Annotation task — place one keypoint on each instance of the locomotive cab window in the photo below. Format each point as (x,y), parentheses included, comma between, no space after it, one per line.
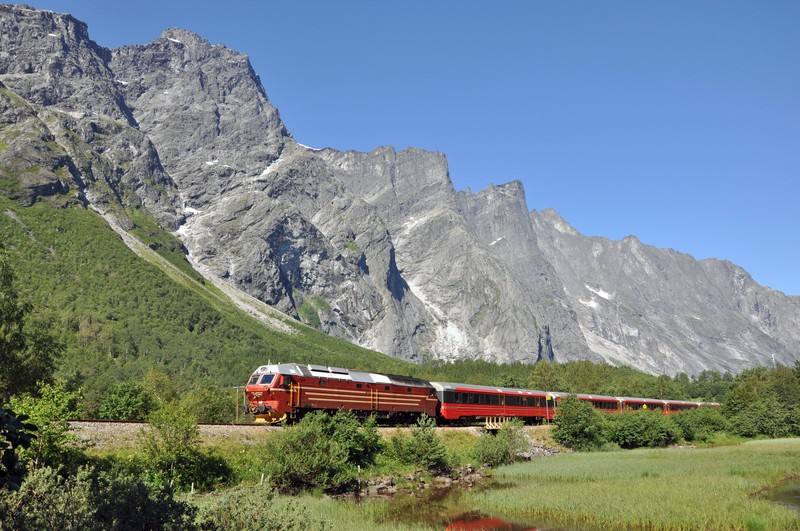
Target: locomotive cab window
(253,380)
(266,379)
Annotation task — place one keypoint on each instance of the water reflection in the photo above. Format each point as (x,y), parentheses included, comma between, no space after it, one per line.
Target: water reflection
(447,509)
(479,521)
(787,494)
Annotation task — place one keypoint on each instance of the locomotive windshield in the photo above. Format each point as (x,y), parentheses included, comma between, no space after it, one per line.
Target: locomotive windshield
(266,379)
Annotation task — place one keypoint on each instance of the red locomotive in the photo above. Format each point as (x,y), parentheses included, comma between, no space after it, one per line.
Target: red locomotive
(287,391)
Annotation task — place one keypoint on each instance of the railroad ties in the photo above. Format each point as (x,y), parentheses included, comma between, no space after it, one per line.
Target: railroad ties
(495,423)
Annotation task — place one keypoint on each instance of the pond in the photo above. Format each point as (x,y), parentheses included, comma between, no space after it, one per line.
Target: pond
(448,509)
(787,493)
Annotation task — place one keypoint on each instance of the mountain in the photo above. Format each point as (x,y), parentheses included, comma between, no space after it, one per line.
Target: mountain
(376,248)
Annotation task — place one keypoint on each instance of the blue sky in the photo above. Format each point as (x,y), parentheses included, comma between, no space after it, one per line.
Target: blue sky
(676,121)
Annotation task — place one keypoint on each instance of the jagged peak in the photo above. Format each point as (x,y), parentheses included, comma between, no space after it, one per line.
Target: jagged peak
(550,216)
(512,189)
(59,22)
(184,36)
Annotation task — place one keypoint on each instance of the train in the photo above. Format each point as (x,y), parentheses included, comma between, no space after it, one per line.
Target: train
(286,391)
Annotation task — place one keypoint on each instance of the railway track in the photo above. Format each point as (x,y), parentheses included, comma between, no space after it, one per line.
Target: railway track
(106,434)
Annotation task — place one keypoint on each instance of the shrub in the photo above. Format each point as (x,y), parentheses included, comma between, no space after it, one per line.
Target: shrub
(634,429)
(578,425)
(700,424)
(126,401)
(306,456)
(361,440)
(501,448)
(765,416)
(91,500)
(423,448)
(171,452)
(15,435)
(210,403)
(257,508)
(54,444)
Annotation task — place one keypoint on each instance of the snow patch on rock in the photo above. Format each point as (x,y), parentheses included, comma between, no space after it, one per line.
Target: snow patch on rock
(600,292)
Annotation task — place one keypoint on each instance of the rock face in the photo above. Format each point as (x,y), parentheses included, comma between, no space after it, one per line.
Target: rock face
(378,248)
(661,310)
(65,126)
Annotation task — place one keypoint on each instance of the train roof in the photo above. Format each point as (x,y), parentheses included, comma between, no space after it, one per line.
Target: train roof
(338,373)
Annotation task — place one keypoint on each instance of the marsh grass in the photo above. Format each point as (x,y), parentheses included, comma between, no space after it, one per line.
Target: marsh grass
(676,489)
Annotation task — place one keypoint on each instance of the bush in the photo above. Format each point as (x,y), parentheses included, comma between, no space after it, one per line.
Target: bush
(256,508)
(306,456)
(423,448)
(210,403)
(171,454)
(578,425)
(91,500)
(361,440)
(634,429)
(126,401)
(700,424)
(15,435)
(501,448)
(55,444)
(765,416)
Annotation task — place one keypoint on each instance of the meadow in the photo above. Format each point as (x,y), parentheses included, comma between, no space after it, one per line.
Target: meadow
(674,488)
(725,487)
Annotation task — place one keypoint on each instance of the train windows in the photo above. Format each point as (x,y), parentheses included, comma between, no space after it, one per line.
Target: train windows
(605,405)
(408,389)
(322,381)
(386,388)
(253,380)
(358,386)
(266,379)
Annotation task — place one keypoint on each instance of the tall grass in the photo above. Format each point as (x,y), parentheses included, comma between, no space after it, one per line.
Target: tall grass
(676,489)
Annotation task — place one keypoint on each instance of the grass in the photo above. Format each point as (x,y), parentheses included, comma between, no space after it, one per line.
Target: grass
(665,489)
(309,310)
(675,489)
(670,489)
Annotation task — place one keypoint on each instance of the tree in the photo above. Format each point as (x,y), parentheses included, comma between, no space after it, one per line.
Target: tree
(15,434)
(160,386)
(172,454)
(210,403)
(126,401)
(27,349)
(49,410)
(578,425)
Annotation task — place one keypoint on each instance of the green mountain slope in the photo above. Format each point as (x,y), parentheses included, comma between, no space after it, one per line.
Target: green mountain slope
(120,315)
